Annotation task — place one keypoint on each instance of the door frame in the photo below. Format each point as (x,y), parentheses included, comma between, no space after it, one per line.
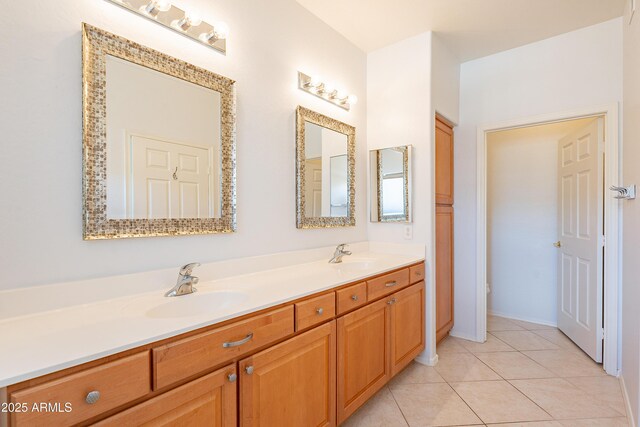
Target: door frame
(612,226)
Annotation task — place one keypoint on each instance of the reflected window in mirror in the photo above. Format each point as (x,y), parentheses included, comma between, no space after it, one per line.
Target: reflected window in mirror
(391,184)
(325,179)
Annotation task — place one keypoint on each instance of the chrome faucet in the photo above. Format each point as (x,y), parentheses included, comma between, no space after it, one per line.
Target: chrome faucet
(185,282)
(339,253)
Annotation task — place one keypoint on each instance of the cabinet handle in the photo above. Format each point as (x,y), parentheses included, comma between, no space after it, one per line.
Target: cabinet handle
(390,284)
(92,397)
(418,273)
(354,297)
(232,377)
(249,370)
(237,343)
(392,301)
(319,310)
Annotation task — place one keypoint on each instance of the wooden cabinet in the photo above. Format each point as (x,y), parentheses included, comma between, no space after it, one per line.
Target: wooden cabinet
(387,284)
(315,311)
(207,401)
(350,298)
(444,163)
(407,326)
(444,271)
(292,383)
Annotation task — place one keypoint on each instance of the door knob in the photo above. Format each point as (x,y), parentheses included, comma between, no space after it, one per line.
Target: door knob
(249,370)
(558,244)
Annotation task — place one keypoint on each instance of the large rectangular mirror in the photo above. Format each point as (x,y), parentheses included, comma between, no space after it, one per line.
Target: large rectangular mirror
(325,171)
(391,184)
(158,141)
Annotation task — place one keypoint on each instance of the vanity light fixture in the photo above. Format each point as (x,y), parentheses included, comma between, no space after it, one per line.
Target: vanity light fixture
(187,23)
(315,86)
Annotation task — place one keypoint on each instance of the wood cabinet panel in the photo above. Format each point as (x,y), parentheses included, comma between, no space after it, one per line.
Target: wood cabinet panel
(187,357)
(207,401)
(350,298)
(117,382)
(444,271)
(444,163)
(387,284)
(407,326)
(416,273)
(292,383)
(315,311)
(363,356)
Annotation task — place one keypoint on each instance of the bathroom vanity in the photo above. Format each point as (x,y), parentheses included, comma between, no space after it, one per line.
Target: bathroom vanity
(311,360)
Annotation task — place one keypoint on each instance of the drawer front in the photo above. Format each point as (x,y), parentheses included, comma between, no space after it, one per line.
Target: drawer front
(181,359)
(387,284)
(352,297)
(315,310)
(117,383)
(416,273)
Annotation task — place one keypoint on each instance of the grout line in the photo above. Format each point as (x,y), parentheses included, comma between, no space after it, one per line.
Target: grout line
(398,406)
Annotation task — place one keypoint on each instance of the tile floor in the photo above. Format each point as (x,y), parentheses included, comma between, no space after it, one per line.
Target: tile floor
(524,375)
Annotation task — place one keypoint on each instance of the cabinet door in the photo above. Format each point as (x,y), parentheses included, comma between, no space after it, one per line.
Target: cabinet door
(363,355)
(444,163)
(444,271)
(407,326)
(292,383)
(207,401)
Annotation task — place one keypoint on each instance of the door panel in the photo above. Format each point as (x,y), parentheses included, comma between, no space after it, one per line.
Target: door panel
(444,271)
(444,163)
(407,326)
(580,198)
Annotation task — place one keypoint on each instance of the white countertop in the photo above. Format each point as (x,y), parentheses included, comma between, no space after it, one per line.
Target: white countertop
(40,343)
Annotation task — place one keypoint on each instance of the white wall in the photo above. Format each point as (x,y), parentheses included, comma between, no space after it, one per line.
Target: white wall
(41,122)
(522,212)
(631,215)
(575,70)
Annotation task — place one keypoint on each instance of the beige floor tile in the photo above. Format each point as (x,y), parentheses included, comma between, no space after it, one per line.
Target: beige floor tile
(525,340)
(565,363)
(433,405)
(532,326)
(491,344)
(495,323)
(499,402)
(450,345)
(563,400)
(604,387)
(417,373)
(530,424)
(380,411)
(557,338)
(463,367)
(514,365)
(597,422)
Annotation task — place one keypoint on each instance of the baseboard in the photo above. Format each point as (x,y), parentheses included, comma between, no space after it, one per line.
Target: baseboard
(627,403)
(425,360)
(523,318)
(457,334)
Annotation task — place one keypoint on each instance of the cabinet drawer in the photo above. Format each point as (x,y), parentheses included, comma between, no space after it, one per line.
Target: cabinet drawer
(117,383)
(315,310)
(352,297)
(184,358)
(387,284)
(416,273)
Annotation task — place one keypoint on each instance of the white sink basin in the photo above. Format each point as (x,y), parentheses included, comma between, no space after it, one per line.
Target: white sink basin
(196,304)
(353,265)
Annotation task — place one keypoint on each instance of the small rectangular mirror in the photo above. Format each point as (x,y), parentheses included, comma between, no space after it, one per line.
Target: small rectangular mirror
(390,188)
(325,159)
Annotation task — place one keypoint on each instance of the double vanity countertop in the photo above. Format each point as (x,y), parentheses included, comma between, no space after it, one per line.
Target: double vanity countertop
(40,343)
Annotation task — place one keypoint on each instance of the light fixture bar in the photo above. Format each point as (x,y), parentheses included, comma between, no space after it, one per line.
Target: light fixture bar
(325,91)
(183,22)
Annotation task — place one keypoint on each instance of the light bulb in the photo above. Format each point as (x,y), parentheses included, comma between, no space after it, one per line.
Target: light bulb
(193,18)
(352,100)
(154,7)
(328,88)
(315,81)
(340,95)
(163,5)
(221,30)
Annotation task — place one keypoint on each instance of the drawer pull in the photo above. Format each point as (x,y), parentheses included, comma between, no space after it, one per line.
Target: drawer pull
(319,310)
(249,370)
(418,273)
(92,397)
(237,343)
(354,297)
(390,284)
(392,301)
(232,377)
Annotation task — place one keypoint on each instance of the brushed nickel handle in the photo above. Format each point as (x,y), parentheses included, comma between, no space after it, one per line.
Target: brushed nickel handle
(249,370)
(392,301)
(232,377)
(237,343)
(558,244)
(418,273)
(354,297)
(390,284)
(319,310)
(92,397)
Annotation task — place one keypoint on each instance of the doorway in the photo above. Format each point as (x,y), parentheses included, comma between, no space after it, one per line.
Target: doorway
(603,302)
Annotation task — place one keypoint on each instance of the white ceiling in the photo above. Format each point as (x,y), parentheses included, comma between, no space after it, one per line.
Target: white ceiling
(471,28)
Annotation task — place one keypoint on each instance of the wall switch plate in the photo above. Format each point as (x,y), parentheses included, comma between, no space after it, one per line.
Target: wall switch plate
(408,232)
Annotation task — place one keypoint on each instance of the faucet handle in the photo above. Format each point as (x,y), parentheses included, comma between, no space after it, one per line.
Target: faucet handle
(341,247)
(186,270)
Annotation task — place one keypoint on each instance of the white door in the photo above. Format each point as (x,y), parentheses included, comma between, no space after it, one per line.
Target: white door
(313,183)
(168,180)
(580,225)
